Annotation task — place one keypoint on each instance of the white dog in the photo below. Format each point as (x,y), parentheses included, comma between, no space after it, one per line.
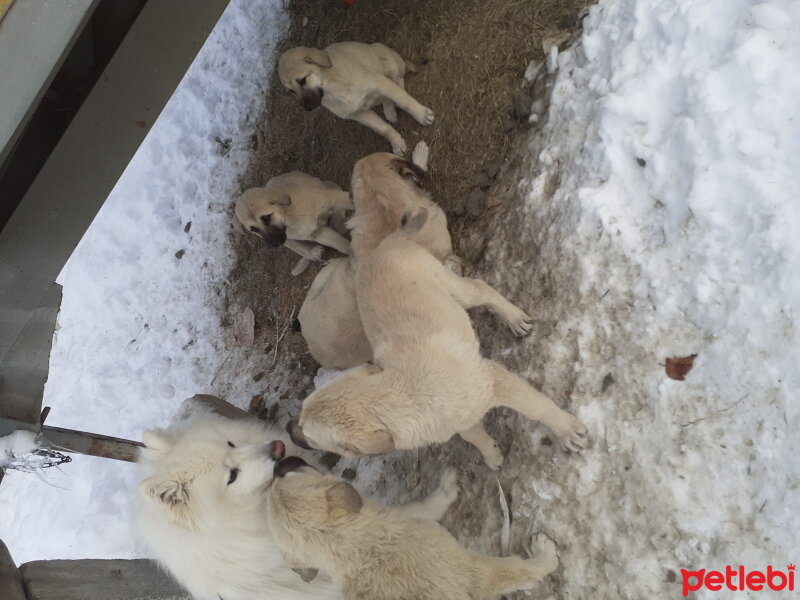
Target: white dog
(202,510)
(348,79)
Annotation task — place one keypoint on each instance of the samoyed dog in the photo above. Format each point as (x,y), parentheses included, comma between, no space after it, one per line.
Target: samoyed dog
(202,509)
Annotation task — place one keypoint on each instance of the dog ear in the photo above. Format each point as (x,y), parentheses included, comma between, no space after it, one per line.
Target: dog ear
(376,442)
(408,170)
(280,198)
(172,495)
(156,440)
(343,499)
(318,57)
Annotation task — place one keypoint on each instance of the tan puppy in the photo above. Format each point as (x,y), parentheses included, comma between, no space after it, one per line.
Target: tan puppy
(378,553)
(428,381)
(348,79)
(292,210)
(385,187)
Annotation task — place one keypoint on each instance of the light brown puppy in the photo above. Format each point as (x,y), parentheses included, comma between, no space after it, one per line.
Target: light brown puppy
(292,210)
(428,381)
(378,553)
(384,188)
(348,79)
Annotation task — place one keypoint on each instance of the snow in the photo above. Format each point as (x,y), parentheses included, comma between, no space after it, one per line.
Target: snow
(139,329)
(672,231)
(659,220)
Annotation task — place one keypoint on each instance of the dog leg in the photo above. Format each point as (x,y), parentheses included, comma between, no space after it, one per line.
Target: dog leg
(420,155)
(475,292)
(404,100)
(373,121)
(506,575)
(514,392)
(305,249)
(477,436)
(389,111)
(329,237)
(436,504)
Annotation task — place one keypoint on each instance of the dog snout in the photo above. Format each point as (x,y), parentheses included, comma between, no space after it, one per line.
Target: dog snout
(311,99)
(296,433)
(274,236)
(276,450)
(287,465)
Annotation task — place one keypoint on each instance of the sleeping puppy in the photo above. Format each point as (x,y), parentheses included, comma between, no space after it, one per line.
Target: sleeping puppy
(292,210)
(348,79)
(428,380)
(379,553)
(384,188)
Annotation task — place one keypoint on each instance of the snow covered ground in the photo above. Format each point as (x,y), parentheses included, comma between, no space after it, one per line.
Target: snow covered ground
(653,215)
(139,327)
(661,216)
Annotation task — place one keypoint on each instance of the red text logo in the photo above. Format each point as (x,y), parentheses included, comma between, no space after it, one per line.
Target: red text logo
(738,579)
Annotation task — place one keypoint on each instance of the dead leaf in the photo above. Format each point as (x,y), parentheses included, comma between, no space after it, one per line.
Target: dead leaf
(677,368)
(140,124)
(244,325)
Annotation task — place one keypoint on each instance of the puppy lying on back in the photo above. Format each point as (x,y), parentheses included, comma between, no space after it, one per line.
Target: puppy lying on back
(348,79)
(384,188)
(377,553)
(292,210)
(428,380)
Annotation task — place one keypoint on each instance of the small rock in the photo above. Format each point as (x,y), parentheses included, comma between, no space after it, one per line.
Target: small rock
(459,207)
(537,108)
(187,227)
(670,576)
(493,168)
(641,162)
(179,254)
(329,460)
(508,125)
(521,105)
(256,402)
(607,381)
(259,376)
(546,441)
(349,474)
(483,181)
(476,203)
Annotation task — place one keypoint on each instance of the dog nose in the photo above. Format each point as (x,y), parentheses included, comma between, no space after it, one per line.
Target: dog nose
(276,449)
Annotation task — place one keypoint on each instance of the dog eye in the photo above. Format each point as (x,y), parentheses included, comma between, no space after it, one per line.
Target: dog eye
(232,477)
(231,444)
(302,80)
(254,229)
(266,219)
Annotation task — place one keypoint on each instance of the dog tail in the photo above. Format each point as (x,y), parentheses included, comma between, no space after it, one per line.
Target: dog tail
(413,222)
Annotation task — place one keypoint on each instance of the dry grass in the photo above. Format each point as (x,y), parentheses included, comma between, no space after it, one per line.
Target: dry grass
(474,54)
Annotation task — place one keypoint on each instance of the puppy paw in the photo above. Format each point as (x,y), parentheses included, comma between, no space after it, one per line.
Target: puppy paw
(494,458)
(390,112)
(300,266)
(399,147)
(573,435)
(544,551)
(424,116)
(519,322)
(420,155)
(315,253)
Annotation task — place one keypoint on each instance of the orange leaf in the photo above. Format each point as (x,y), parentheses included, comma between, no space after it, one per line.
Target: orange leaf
(677,368)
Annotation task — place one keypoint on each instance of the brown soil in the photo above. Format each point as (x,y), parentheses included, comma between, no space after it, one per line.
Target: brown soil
(473,55)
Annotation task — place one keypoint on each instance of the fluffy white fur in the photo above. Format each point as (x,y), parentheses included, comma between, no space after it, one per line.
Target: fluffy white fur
(214,537)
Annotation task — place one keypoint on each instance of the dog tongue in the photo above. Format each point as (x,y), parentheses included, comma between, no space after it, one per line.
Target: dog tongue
(278,450)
